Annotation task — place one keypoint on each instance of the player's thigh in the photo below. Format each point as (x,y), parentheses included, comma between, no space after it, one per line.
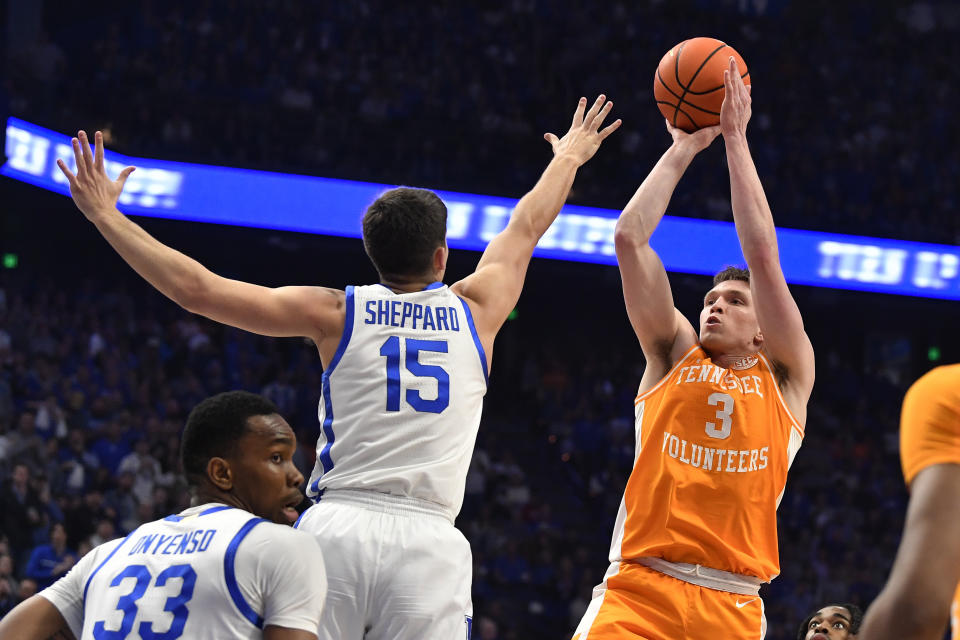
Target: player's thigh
(350,559)
(423,589)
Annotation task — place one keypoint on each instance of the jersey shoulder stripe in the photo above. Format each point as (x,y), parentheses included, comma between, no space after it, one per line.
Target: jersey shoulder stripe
(476,339)
(230,575)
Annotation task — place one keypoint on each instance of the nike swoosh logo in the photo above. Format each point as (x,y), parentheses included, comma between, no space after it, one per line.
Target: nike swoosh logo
(741,605)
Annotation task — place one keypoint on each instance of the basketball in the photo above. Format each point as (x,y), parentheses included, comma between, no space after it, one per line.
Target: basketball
(688,85)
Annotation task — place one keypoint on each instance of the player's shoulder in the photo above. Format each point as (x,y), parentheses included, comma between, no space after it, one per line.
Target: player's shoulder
(944,379)
(278,537)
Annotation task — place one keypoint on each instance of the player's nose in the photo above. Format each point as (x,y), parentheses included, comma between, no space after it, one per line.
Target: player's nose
(294,477)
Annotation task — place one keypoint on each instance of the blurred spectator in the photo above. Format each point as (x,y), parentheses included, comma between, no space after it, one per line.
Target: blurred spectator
(49,562)
(21,509)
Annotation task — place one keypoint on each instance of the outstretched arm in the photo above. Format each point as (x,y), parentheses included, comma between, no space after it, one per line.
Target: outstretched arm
(780,322)
(664,333)
(494,288)
(915,603)
(313,312)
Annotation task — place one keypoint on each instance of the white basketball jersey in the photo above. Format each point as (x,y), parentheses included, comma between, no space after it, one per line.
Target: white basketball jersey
(181,577)
(402,397)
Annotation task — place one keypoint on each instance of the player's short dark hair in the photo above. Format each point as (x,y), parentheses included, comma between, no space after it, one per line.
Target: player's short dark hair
(214,427)
(856,617)
(732,273)
(402,229)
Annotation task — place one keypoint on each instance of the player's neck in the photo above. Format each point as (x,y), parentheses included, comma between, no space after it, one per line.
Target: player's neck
(203,495)
(735,360)
(398,285)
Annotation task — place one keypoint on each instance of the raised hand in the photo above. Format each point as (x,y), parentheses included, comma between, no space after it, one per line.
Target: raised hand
(735,111)
(694,142)
(92,189)
(584,137)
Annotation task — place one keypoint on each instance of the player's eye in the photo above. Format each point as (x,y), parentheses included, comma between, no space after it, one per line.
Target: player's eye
(839,625)
(276,458)
(813,623)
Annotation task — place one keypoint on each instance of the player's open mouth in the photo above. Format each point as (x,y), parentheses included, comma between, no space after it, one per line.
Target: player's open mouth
(820,636)
(712,321)
(290,511)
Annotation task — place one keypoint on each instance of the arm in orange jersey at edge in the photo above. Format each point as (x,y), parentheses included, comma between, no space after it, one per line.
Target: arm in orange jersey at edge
(781,324)
(493,289)
(313,312)
(915,603)
(664,333)
(35,619)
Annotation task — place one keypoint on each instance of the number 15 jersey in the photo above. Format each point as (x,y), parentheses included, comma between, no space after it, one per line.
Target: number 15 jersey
(402,397)
(713,449)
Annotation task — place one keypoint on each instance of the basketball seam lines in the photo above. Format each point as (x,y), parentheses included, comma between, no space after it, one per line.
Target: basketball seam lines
(686,89)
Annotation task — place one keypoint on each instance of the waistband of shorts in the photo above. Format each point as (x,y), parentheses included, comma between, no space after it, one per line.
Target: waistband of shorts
(704,576)
(386,503)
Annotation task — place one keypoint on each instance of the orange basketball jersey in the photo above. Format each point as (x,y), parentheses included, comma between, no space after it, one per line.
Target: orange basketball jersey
(930,434)
(713,449)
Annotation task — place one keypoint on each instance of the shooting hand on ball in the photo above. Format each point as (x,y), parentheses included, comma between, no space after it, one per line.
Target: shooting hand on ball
(735,111)
(693,142)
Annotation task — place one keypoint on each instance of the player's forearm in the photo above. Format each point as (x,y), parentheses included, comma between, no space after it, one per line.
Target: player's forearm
(537,210)
(643,213)
(751,212)
(174,274)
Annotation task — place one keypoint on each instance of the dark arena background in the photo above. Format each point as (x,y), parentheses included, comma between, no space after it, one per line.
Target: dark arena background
(854,131)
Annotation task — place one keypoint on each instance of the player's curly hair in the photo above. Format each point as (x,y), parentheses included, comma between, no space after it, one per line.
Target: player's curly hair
(402,229)
(856,617)
(732,273)
(214,427)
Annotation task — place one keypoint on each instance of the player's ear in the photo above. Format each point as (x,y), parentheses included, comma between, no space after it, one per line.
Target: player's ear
(758,340)
(220,474)
(440,258)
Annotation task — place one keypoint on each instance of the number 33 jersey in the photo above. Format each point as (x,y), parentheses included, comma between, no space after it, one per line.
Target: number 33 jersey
(713,449)
(211,572)
(402,397)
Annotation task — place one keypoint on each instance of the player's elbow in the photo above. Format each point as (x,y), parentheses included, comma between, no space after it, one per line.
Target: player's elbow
(627,237)
(191,294)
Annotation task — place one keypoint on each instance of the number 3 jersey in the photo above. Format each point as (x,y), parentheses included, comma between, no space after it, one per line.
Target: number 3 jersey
(713,449)
(211,572)
(402,397)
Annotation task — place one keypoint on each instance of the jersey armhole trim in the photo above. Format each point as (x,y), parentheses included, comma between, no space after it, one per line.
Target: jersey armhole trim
(783,403)
(100,566)
(476,340)
(345,336)
(230,574)
(643,396)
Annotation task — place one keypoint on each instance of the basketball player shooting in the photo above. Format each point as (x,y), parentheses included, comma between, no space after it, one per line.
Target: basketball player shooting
(405,371)
(719,416)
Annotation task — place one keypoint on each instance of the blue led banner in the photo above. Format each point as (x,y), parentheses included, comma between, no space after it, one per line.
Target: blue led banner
(334,207)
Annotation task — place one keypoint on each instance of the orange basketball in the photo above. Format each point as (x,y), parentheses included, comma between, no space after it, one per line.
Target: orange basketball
(688,85)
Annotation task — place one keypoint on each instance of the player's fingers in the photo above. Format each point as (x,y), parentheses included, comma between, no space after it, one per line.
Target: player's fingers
(122,178)
(77,156)
(595,109)
(98,150)
(578,114)
(66,171)
(600,117)
(85,150)
(610,128)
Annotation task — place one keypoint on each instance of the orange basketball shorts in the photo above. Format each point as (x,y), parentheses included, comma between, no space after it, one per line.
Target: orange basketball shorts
(638,603)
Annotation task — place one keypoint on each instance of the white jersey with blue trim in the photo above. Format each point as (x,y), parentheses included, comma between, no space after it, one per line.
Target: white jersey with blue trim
(211,572)
(402,397)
